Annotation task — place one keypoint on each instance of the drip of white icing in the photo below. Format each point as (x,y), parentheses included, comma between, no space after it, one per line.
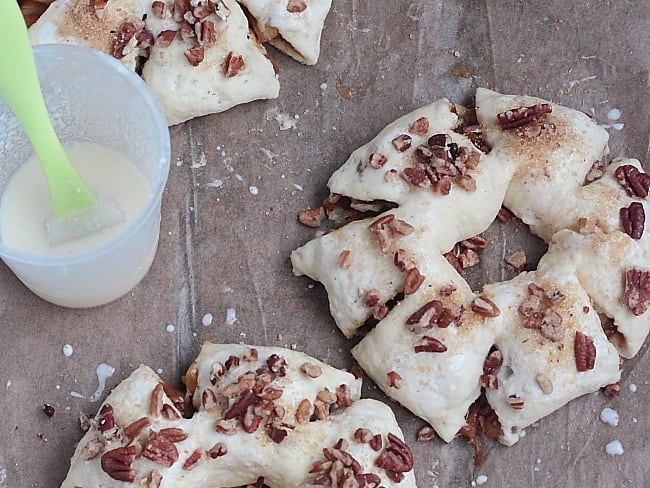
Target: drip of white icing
(104,371)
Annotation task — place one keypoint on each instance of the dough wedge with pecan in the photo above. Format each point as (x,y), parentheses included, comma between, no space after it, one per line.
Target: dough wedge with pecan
(257,412)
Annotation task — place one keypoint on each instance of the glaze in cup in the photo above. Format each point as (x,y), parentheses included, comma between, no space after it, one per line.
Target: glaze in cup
(92,97)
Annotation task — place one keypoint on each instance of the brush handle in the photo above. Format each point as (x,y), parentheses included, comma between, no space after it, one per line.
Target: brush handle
(19,87)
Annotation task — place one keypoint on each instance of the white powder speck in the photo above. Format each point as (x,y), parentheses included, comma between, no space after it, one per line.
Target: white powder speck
(159,371)
(609,416)
(298,187)
(323,86)
(170,327)
(74,394)
(253,189)
(216,183)
(231,316)
(285,121)
(614,448)
(207,319)
(522,433)
(481,479)
(8,384)
(618,126)
(67,350)
(473,483)
(634,420)
(103,371)
(58,387)
(179,162)
(239,177)
(614,114)
(200,163)
(632,387)
(3,476)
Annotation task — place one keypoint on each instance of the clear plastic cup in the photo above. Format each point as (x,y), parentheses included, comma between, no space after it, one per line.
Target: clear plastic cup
(92,97)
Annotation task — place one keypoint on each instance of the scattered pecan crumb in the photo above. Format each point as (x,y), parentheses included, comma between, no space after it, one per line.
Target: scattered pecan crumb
(420,126)
(485,307)
(49,410)
(426,433)
(233,65)
(394,380)
(517,260)
(612,390)
(402,142)
(312,217)
(345,259)
(376,160)
(195,55)
(296,6)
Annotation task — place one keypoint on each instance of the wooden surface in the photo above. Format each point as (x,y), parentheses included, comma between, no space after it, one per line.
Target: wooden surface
(226,248)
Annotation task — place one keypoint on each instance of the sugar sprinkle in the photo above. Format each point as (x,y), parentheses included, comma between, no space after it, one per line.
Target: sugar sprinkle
(231,316)
(609,416)
(632,387)
(170,327)
(207,320)
(67,350)
(614,114)
(614,448)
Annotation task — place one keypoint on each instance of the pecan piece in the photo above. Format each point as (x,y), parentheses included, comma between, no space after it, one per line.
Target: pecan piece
(156,401)
(194,458)
(377,160)
(240,406)
(165,38)
(195,55)
(118,462)
(402,142)
(153,479)
(491,367)
(637,291)
(132,430)
(585,352)
(345,259)
(412,281)
(160,449)
(343,396)
(276,434)
(396,459)
(635,183)
(311,370)
(394,380)
(517,260)
(633,220)
(233,65)
(420,126)
(416,177)
(122,38)
(106,418)
(296,6)
(376,442)
(208,33)
(596,172)
(362,435)
(426,433)
(312,217)
(426,316)
(303,412)
(218,450)
(544,383)
(516,117)
(431,344)
(158,9)
(516,402)
(485,307)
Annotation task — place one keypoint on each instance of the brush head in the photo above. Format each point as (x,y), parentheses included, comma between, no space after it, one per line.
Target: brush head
(105,213)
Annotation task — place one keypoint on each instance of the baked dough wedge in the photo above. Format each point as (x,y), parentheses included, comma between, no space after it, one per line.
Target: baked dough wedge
(234,69)
(258,412)
(292,26)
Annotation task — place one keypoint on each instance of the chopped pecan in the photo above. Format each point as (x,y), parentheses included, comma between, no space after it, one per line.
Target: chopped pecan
(122,39)
(218,450)
(303,412)
(97,4)
(106,418)
(49,410)
(195,55)
(217,371)
(362,435)
(158,9)
(296,6)
(371,299)
(612,390)
(504,215)
(311,370)
(426,433)
(485,307)
(438,140)
(186,31)
(403,260)
(396,459)
(312,217)
(132,430)
(466,182)
(200,12)
(420,126)
(209,399)
(394,380)
(156,401)
(402,142)
(431,344)
(585,352)
(477,243)
(233,65)
(343,396)
(376,442)
(426,316)
(454,261)
(633,220)
(181,7)
(380,311)
(276,434)
(165,38)
(240,406)
(176,396)
(596,172)
(160,449)
(92,449)
(637,291)
(208,33)
(376,160)
(551,326)
(491,367)
(635,183)
(277,364)
(226,426)
(412,281)
(250,355)
(189,17)
(516,402)
(469,258)
(144,40)
(194,458)
(345,259)
(118,463)
(517,117)
(544,383)
(416,177)
(153,479)
(170,412)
